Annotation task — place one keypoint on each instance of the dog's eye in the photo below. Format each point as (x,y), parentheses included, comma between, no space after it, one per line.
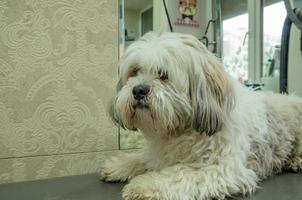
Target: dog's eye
(163,75)
(134,72)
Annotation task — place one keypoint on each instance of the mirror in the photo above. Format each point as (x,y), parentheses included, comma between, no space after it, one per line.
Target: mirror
(294,10)
(209,21)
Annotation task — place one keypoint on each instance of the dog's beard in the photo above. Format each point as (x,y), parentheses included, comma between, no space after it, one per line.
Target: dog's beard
(163,111)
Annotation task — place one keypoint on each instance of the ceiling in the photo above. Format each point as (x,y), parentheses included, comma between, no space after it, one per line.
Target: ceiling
(137,4)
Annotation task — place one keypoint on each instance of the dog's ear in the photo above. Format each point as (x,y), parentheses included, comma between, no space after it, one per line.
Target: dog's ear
(213,100)
(112,111)
(210,89)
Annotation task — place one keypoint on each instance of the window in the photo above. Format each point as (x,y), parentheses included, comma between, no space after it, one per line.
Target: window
(273,19)
(235,44)
(274,14)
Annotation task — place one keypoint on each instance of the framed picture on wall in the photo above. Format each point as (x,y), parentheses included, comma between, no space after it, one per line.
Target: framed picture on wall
(187,10)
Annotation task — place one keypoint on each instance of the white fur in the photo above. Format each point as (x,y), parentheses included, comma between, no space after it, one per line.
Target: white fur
(206,135)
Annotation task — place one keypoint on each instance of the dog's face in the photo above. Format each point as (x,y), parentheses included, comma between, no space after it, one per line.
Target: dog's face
(170,83)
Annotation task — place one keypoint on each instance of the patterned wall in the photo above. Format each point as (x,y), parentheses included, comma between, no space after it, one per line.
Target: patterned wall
(57,73)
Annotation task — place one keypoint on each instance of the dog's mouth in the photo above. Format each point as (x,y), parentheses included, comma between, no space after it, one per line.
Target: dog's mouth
(140,105)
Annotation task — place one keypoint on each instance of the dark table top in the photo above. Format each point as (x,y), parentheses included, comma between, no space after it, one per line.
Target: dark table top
(88,187)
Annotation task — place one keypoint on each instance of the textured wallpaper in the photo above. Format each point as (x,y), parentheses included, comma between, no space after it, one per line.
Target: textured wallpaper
(58,68)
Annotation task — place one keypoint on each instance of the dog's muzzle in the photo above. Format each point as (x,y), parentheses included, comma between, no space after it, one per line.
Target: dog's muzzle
(139,93)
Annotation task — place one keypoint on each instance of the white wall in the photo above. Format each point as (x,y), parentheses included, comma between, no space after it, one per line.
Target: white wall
(295,63)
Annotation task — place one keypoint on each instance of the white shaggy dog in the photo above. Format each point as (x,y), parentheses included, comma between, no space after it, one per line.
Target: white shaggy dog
(207,136)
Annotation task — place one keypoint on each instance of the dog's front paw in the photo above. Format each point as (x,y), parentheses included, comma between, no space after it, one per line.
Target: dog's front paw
(113,171)
(142,188)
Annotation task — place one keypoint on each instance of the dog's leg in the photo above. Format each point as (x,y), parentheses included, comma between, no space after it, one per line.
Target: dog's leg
(122,167)
(294,164)
(295,161)
(189,182)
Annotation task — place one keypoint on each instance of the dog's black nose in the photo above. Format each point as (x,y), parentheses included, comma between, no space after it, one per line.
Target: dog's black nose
(140,91)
